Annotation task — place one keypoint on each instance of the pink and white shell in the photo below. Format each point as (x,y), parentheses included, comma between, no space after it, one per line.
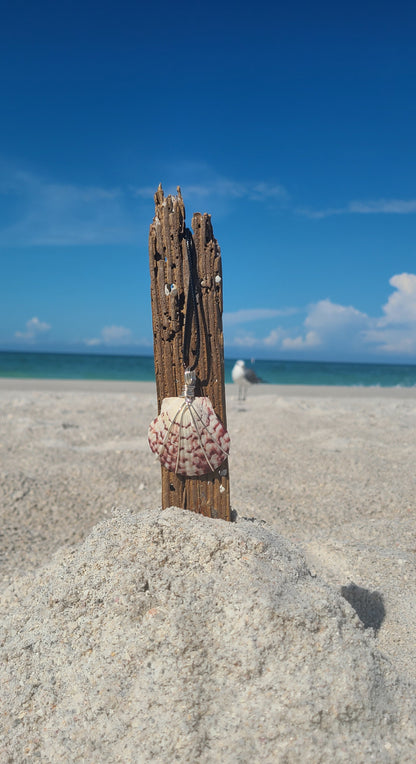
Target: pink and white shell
(188,437)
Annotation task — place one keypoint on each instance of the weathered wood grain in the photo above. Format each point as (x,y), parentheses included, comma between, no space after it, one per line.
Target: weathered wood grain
(208,495)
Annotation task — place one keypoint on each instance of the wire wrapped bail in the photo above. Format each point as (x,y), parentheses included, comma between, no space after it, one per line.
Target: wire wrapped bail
(189,387)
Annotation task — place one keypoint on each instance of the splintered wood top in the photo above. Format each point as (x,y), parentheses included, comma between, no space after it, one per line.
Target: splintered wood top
(169,273)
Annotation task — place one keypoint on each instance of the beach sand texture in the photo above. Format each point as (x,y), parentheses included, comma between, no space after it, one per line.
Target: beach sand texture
(166,636)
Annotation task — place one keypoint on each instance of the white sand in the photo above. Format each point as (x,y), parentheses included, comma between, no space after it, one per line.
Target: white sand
(330,469)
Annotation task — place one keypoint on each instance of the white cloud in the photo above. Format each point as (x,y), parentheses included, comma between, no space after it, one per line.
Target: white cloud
(384,206)
(93,341)
(334,328)
(201,183)
(274,338)
(246,316)
(393,341)
(310,340)
(116,334)
(279,338)
(145,192)
(331,326)
(401,305)
(327,324)
(112,335)
(395,331)
(327,212)
(371,207)
(328,317)
(249,339)
(43,212)
(34,328)
(245,340)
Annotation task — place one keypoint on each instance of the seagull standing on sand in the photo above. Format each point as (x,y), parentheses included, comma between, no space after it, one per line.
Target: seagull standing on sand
(244,378)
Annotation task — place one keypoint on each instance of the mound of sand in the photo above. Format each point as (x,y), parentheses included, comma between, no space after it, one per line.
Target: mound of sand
(166,637)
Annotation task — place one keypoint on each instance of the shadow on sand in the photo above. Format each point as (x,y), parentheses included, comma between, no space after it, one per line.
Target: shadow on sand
(368,605)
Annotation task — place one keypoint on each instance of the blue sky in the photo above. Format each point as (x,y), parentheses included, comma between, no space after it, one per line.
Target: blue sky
(293,125)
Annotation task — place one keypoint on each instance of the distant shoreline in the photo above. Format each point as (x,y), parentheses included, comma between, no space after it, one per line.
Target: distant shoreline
(17,384)
(134,369)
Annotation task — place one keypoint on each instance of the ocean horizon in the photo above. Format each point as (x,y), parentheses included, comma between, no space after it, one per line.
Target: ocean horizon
(140,368)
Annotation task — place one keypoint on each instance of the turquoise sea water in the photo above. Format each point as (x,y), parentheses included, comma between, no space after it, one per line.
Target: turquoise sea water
(141,369)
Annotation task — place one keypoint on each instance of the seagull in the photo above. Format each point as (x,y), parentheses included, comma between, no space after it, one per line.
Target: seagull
(243,377)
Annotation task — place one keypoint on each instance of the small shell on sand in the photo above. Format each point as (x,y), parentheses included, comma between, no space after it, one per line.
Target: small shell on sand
(188,437)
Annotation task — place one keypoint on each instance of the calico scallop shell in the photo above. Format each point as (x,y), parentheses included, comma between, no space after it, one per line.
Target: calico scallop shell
(188,437)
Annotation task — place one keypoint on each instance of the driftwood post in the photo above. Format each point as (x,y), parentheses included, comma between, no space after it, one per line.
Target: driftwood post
(210,494)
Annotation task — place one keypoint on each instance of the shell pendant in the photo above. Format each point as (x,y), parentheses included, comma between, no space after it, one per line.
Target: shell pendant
(187,436)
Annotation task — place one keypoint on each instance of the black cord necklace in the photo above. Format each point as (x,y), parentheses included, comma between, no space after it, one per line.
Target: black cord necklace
(192,304)
(187,436)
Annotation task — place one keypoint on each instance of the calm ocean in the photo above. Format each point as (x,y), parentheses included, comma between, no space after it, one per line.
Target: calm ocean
(141,369)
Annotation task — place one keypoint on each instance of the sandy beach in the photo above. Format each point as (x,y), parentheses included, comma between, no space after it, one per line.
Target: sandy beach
(330,470)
